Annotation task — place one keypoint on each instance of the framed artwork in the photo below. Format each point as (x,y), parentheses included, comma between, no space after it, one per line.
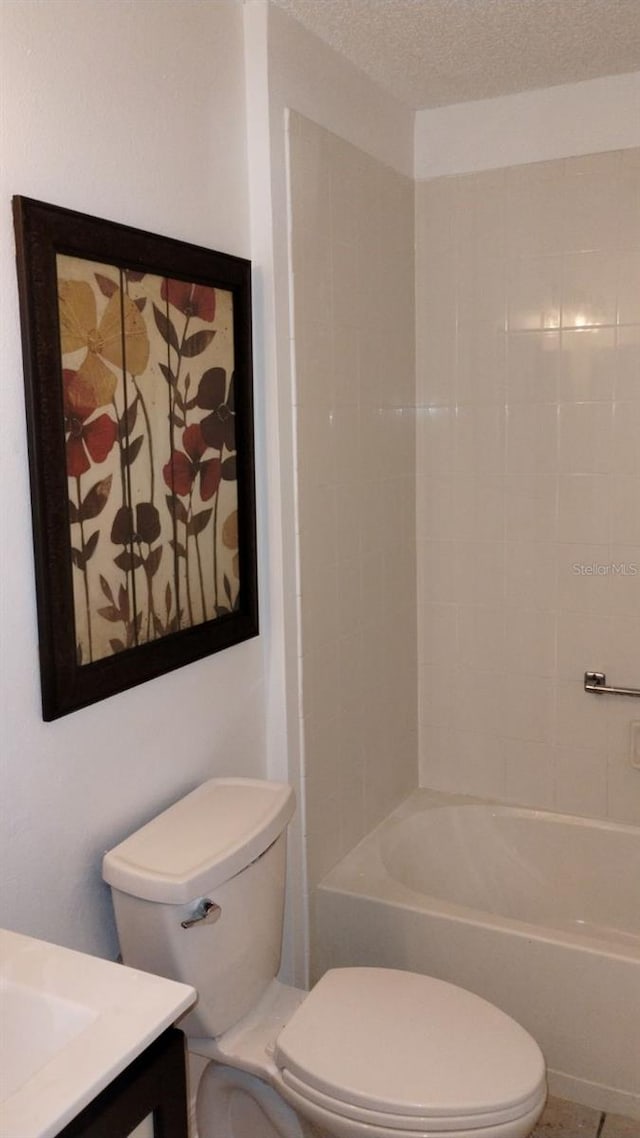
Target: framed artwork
(137,360)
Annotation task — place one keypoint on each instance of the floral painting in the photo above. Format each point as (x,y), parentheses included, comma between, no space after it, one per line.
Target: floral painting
(148,376)
(138,383)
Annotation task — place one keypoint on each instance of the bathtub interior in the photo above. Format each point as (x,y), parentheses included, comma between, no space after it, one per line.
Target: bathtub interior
(573,983)
(548,869)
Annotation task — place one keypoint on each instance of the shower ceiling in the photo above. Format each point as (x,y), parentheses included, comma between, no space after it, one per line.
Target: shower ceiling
(432,52)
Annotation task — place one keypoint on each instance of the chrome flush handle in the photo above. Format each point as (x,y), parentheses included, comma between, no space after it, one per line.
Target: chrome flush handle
(207,913)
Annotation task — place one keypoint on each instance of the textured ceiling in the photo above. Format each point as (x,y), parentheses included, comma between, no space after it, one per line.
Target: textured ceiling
(432,52)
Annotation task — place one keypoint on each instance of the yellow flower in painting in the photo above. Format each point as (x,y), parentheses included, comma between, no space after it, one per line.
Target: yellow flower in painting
(120,337)
(230,538)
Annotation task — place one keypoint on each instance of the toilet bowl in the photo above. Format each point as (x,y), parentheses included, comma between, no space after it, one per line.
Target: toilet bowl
(367,1053)
(372,1052)
(234,1104)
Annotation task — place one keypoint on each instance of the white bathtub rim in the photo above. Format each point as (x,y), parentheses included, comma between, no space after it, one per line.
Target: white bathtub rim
(362,873)
(443,910)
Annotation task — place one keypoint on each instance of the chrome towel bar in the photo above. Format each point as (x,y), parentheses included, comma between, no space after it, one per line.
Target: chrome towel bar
(597,682)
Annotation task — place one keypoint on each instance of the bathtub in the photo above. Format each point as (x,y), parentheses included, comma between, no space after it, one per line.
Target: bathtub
(537,912)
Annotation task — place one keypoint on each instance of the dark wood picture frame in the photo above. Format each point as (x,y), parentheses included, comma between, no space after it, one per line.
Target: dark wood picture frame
(90,443)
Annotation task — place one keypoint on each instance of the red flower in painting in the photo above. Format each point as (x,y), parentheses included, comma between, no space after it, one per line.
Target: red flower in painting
(182,469)
(88,440)
(190,299)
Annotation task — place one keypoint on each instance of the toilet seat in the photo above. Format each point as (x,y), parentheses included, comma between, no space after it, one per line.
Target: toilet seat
(340,1126)
(406,1053)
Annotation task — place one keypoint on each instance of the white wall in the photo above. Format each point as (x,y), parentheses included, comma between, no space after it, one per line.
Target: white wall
(533,126)
(308,76)
(134,112)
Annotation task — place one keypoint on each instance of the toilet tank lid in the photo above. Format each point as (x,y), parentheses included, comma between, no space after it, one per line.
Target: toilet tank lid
(201,841)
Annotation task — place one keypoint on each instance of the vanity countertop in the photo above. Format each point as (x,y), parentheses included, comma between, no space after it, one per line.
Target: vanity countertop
(69,1023)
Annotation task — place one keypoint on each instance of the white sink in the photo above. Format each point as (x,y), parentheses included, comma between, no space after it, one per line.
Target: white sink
(35,1025)
(69,1023)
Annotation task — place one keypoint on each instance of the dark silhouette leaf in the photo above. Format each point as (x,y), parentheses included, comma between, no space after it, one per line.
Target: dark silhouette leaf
(116,646)
(133,450)
(177,508)
(198,522)
(77,558)
(90,547)
(167,598)
(110,612)
(228,469)
(227,587)
(167,373)
(128,420)
(96,500)
(177,420)
(123,603)
(134,275)
(74,516)
(178,548)
(106,589)
(197,343)
(152,564)
(166,328)
(222,610)
(127,561)
(191,403)
(140,303)
(107,287)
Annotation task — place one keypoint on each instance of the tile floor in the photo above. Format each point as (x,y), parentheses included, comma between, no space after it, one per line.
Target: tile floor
(563,1119)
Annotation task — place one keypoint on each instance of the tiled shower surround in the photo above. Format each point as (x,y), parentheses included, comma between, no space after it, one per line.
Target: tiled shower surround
(528,481)
(508,472)
(353,273)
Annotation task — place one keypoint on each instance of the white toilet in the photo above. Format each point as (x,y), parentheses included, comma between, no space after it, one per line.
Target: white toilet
(368,1053)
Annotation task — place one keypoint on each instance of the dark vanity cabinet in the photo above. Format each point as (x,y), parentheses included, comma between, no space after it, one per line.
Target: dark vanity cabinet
(153,1085)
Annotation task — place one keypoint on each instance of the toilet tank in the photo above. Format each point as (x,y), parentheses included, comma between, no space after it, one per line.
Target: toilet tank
(225,842)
